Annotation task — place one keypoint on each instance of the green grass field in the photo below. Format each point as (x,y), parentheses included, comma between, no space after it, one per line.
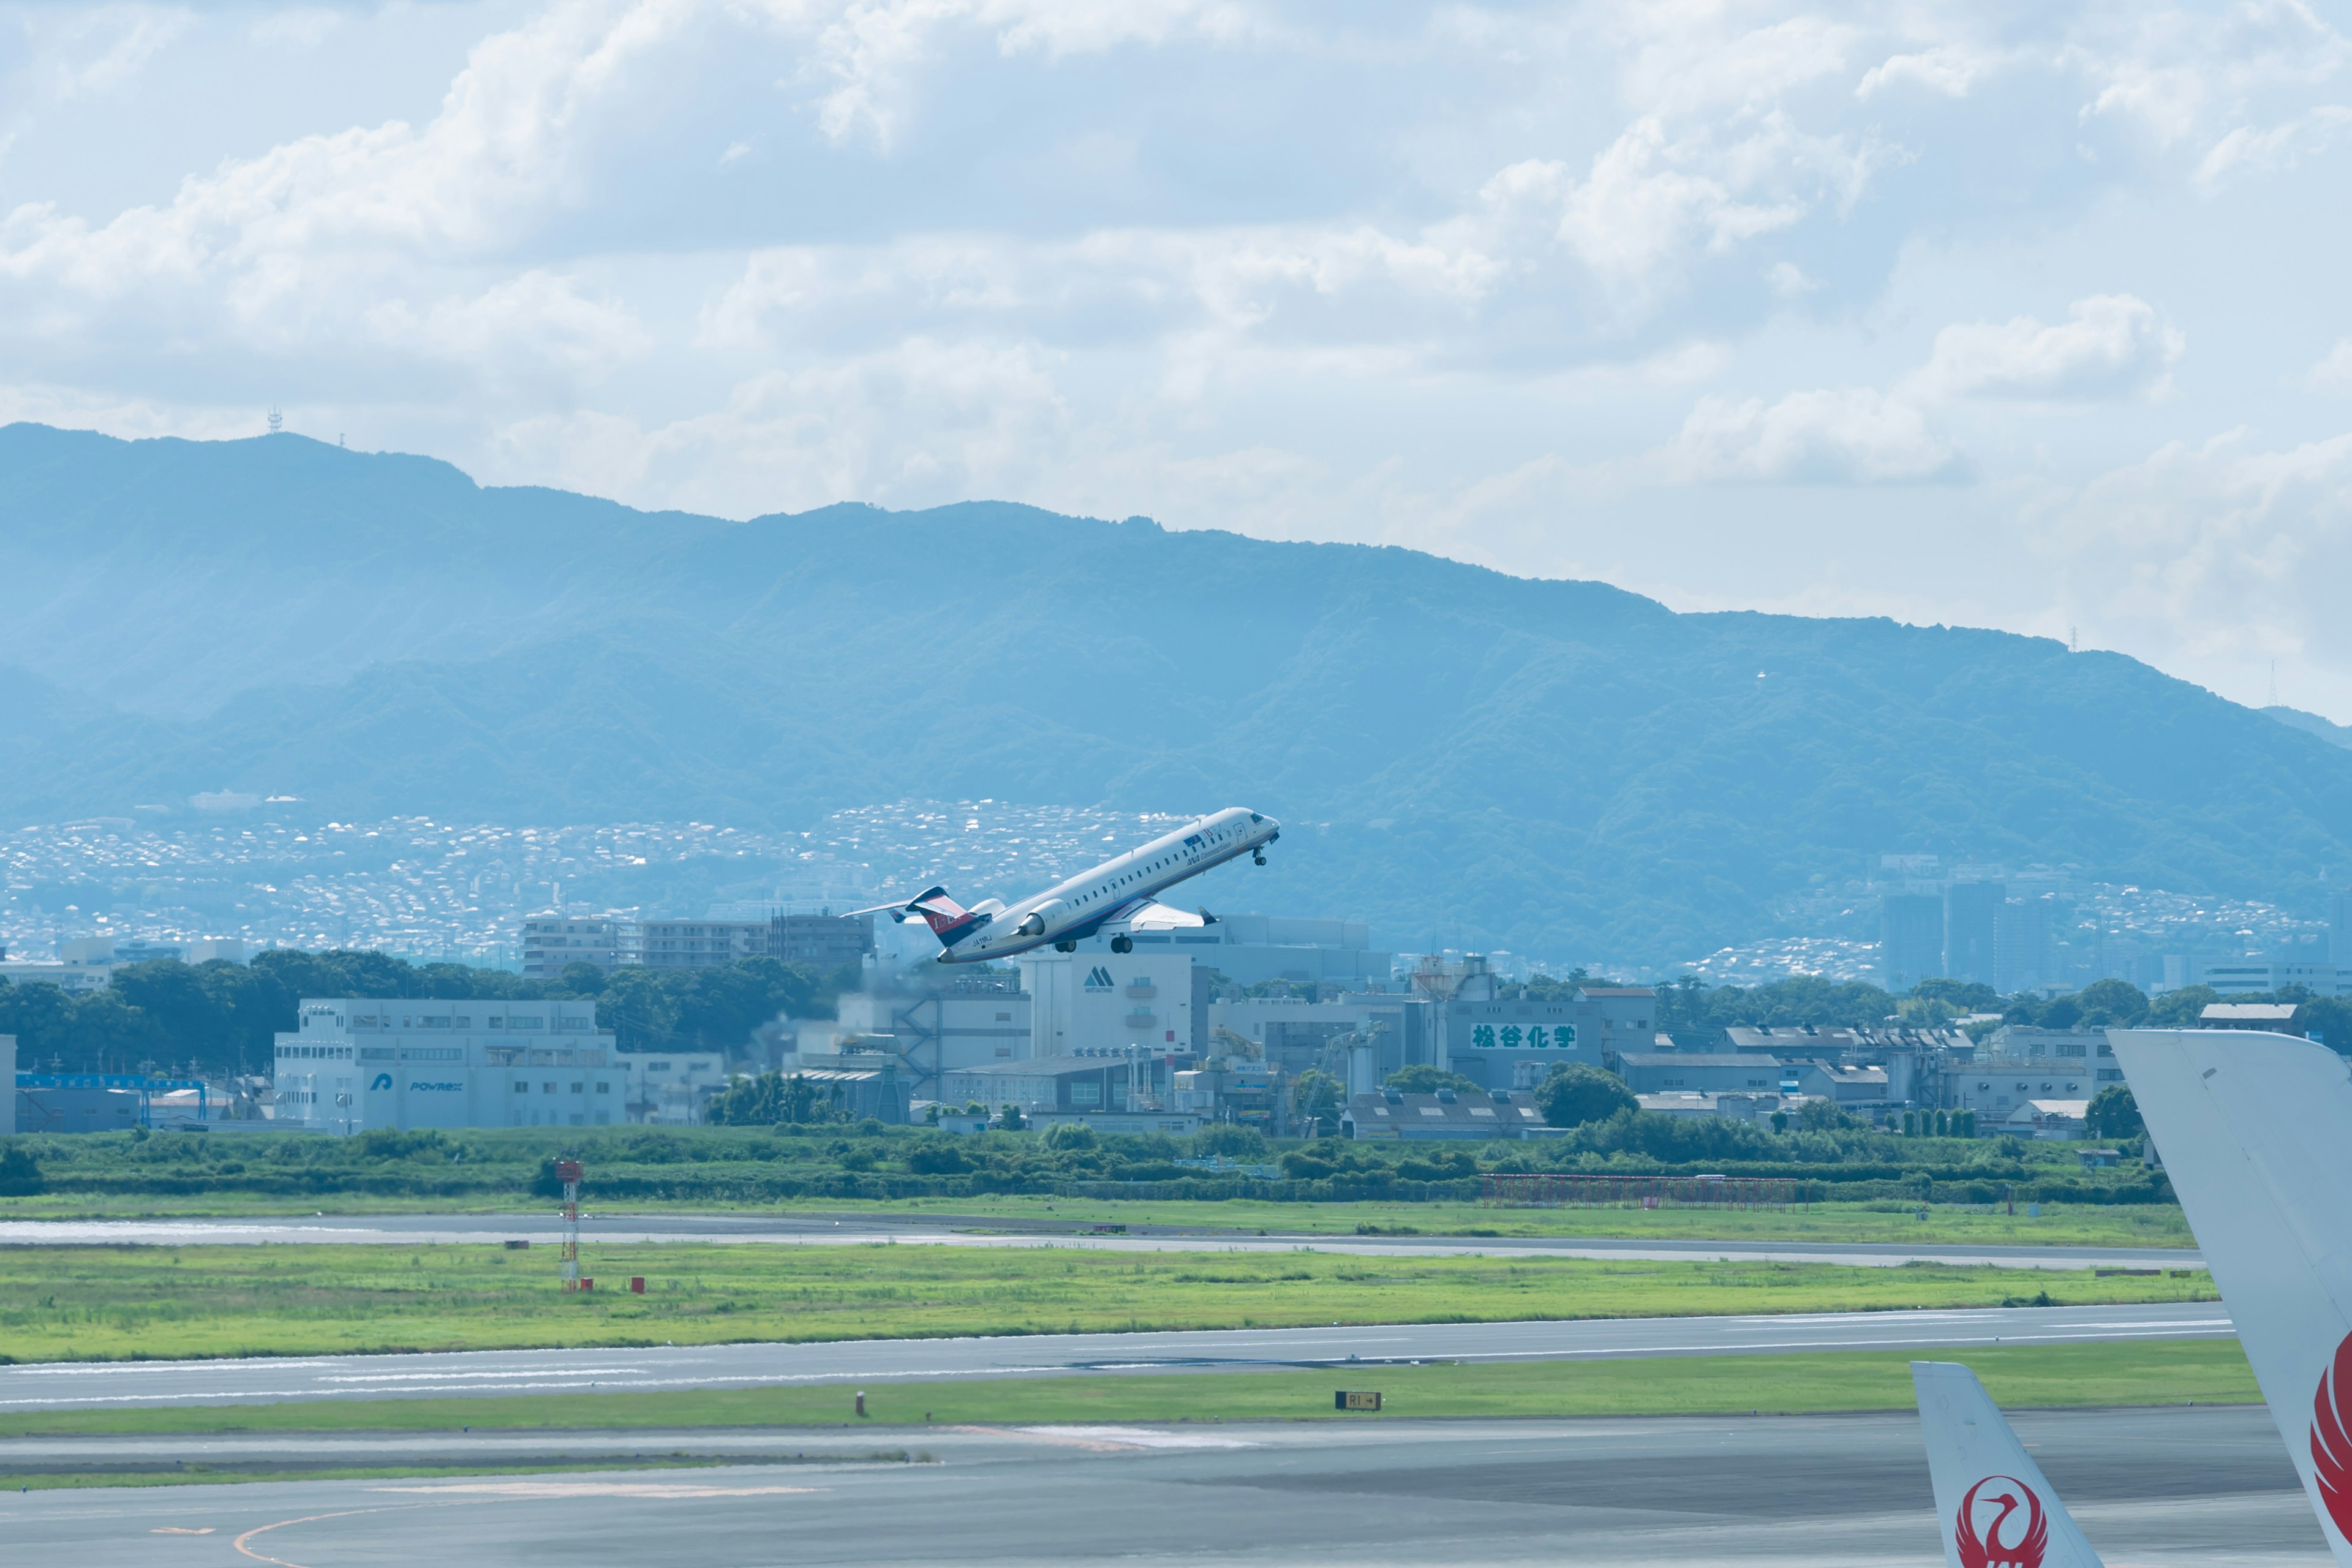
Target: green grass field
(2059,1224)
(2143,1372)
(92,1303)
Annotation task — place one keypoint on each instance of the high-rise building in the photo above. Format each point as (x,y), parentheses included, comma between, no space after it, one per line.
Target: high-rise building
(1910,938)
(2022,955)
(1971,929)
(700,944)
(551,941)
(828,942)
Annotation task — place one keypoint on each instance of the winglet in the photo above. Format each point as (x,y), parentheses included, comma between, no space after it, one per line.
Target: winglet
(2253,1130)
(1994,1507)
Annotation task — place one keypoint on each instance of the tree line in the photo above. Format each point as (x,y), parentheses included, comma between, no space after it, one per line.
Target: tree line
(1692,1011)
(220,1019)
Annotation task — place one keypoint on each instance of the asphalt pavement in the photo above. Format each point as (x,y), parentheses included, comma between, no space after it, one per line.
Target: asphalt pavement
(851,1230)
(131,1385)
(2152,1487)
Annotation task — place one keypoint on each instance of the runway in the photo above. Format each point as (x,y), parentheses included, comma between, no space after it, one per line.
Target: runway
(807,1229)
(2149,1486)
(53,1386)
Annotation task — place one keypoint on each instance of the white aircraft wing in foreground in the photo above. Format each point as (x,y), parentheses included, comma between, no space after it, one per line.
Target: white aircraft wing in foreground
(1994,1507)
(2255,1130)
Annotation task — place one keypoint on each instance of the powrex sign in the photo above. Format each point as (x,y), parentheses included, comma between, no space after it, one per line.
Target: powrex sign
(2001,1525)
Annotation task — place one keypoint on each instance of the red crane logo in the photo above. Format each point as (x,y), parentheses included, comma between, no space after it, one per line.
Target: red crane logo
(2331,1446)
(2006,1539)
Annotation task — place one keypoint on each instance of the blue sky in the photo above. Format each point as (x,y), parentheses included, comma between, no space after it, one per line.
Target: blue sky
(2027,316)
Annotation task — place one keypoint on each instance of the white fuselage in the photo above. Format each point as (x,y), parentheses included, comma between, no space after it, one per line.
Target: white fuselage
(1083,903)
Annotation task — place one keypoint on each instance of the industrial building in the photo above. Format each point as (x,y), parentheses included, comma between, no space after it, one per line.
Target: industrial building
(1516,1043)
(1388,1114)
(1144,999)
(1081,1085)
(670,1089)
(1703,1072)
(1384,1030)
(953,1021)
(358,1063)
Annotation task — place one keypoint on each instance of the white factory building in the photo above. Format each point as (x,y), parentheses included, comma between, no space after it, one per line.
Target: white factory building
(1156,1001)
(353,1064)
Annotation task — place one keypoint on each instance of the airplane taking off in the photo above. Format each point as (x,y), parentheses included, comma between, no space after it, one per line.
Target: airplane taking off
(2252,1132)
(1116,896)
(1993,1508)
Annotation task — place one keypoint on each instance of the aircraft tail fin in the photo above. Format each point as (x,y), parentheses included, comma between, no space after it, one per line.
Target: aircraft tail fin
(949,921)
(2255,1132)
(1993,1506)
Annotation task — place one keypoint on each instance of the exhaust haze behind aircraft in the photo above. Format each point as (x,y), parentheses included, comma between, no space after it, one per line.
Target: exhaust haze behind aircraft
(1994,1507)
(2255,1132)
(1117,897)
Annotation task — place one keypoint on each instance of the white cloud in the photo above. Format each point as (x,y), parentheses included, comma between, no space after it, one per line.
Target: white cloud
(1840,436)
(875,54)
(1948,69)
(2333,374)
(1651,205)
(100,50)
(2219,553)
(524,325)
(2249,151)
(2180,74)
(2110,345)
(906,425)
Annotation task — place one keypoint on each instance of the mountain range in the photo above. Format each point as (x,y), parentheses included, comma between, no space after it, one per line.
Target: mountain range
(1562,768)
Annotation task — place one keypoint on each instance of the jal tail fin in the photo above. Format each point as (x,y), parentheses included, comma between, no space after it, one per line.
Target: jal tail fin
(949,921)
(1993,1506)
(2255,1132)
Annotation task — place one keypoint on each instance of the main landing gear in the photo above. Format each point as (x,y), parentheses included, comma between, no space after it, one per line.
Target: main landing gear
(1122,944)
(1065,947)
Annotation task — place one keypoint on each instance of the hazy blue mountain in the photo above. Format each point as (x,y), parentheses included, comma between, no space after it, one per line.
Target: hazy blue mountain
(2327,730)
(1553,766)
(166,576)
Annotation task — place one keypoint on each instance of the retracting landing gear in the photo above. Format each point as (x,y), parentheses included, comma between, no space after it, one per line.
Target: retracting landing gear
(1122,944)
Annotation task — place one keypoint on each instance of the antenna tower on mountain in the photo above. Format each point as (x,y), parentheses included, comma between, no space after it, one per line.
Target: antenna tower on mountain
(277,420)
(2273,702)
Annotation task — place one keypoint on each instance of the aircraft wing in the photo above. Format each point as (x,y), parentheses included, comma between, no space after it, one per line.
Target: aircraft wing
(1144,914)
(933,900)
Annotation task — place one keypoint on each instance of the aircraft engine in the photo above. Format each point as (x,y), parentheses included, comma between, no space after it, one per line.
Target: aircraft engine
(1041,917)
